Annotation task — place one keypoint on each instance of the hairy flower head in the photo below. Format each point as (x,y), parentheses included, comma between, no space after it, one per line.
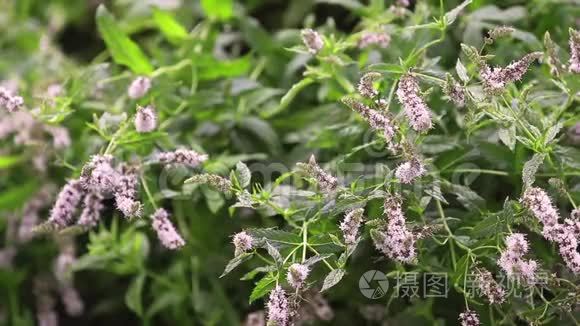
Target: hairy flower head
(139,87)
(166,232)
(417,111)
(145,119)
(278,308)
(242,242)
(312,40)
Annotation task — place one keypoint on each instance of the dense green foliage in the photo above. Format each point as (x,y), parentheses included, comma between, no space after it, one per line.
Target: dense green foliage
(234,80)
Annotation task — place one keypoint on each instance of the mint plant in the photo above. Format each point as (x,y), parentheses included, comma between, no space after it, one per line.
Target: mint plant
(401,162)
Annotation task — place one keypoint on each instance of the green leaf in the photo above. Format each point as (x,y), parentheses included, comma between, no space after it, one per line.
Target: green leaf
(211,69)
(8,161)
(16,196)
(291,94)
(218,9)
(530,169)
(263,287)
(235,262)
(332,279)
(243,173)
(123,50)
(461,71)
(134,295)
(508,136)
(169,26)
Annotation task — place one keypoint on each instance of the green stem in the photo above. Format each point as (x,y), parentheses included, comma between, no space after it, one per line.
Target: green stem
(146,188)
(323,259)
(444,220)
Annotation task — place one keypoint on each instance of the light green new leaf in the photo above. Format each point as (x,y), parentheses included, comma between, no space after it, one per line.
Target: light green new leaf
(262,288)
(218,9)
(169,26)
(123,50)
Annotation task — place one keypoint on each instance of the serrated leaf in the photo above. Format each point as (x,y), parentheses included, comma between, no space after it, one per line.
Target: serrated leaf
(552,133)
(332,279)
(461,71)
(235,262)
(314,259)
(530,169)
(243,173)
(274,253)
(262,269)
(123,50)
(508,136)
(262,288)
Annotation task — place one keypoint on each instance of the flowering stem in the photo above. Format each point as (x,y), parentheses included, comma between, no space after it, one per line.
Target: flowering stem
(304,239)
(323,259)
(451,247)
(146,188)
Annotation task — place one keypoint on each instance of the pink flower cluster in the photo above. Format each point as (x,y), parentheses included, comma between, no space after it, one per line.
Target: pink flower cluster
(369,38)
(182,156)
(574,65)
(312,40)
(165,230)
(350,225)
(469,318)
(495,79)
(31,211)
(220,183)
(417,111)
(512,259)
(145,119)
(242,242)
(326,182)
(9,101)
(489,287)
(565,235)
(278,308)
(66,204)
(409,171)
(297,274)
(377,120)
(92,208)
(396,241)
(139,87)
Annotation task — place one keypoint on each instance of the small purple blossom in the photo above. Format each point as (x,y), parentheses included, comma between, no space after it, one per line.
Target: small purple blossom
(125,192)
(417,111)
(166,232)
(9,101)
(312,40)
(242,242)
(99,175)
(256,318)
(512,262)
(297,274)
(489,287)
(145,119)
(92,208)
(574,65)
(60,136)
(139,87)
(377,120)
(365,84)
(72,301)
(326,181)
(182,156)
(409,171)
(396,241)
(369,38)
(278,308)
(496,79)
(66,204)
(469,318)
(350,225)
(220,183)
(30,213)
